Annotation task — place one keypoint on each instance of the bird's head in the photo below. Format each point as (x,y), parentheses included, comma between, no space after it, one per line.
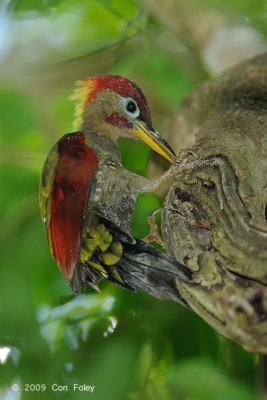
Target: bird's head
(114,106)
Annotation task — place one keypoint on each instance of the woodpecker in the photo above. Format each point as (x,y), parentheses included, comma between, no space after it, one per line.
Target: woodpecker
(87,197)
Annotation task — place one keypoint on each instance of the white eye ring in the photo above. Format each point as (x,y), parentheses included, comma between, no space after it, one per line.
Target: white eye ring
(130,107)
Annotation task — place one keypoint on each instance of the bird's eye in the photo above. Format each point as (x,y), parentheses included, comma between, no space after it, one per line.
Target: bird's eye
(131,107)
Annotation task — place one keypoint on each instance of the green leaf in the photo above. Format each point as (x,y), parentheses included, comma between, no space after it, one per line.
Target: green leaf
(73,320)
(202,379)
(145,204)
(134,155)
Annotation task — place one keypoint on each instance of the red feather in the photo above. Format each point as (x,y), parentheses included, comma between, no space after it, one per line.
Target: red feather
(124,87)
(74,171)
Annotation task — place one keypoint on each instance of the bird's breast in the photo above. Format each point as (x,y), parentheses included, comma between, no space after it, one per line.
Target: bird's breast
(113,196)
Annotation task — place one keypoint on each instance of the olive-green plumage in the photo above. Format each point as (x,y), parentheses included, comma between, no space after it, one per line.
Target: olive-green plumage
(87,197)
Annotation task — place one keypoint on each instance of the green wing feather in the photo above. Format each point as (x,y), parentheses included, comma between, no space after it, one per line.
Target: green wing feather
(46,182)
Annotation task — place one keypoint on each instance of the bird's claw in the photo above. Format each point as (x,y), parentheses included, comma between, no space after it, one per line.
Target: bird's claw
(186,161)
(186,156)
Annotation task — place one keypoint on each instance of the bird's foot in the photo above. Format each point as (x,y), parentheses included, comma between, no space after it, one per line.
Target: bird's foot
(154,234)
(186,156)
(150,185)
(187,161)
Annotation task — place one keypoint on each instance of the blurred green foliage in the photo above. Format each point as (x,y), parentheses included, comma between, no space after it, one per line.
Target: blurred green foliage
(129,346)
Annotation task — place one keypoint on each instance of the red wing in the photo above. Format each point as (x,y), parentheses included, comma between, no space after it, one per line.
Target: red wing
(74,172)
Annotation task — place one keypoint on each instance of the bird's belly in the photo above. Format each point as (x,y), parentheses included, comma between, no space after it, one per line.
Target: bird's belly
(114,197)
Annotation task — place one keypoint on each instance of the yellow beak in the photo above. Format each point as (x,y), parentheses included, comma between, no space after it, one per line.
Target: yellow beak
(154,140)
